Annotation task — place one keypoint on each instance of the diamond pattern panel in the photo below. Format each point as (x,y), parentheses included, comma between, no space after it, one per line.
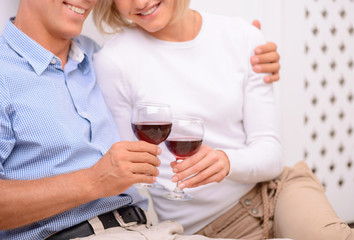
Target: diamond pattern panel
(329,90)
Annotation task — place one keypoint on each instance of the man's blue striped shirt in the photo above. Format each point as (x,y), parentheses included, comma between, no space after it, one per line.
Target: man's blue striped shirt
(52,121)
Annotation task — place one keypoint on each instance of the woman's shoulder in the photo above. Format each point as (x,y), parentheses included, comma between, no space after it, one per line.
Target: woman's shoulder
(124,40)
(232,24)
(232,31)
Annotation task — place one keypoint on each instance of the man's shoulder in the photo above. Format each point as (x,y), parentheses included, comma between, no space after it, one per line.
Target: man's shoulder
(7,55)
(3,46)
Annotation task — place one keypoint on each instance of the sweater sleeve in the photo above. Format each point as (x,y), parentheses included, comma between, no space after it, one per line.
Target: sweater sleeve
(116,91)
(261,158)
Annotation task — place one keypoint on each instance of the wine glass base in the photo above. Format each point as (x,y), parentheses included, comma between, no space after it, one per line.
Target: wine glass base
(144,185)
(177,196)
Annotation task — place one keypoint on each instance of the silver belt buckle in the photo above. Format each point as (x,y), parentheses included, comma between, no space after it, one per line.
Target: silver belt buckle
(121,221)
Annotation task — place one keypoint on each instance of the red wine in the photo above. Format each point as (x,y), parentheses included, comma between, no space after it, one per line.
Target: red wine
(152,132)
(183,147)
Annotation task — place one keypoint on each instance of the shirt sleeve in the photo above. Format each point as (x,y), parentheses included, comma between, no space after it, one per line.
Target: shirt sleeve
(116,92)
(7,138)
(261,158)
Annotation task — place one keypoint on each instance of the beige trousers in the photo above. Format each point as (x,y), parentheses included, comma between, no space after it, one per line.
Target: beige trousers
(293,205)
(168,230)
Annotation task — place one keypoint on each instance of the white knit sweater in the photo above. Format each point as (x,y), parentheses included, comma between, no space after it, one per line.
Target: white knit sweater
(209,77)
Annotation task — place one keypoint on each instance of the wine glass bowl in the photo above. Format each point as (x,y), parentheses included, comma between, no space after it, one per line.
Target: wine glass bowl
(151,122)
(185,139)
(183,147)
(152,132)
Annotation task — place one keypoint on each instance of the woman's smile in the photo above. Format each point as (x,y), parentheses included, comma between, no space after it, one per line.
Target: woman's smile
(150,11)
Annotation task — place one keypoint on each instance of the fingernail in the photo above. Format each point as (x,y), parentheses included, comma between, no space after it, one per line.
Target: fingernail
(175,170)
(174,179)
(257,68)
(159,151)
(258,51)
(181,186)
(255,60)
(267,79)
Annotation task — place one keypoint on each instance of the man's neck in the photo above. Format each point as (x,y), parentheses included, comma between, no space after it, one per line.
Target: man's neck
(58,46)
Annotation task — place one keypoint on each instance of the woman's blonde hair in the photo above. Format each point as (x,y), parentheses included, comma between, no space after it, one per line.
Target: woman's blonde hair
(108,19)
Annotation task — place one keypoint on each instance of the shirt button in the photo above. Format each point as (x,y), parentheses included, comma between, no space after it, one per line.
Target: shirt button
(53,61)
(85,115)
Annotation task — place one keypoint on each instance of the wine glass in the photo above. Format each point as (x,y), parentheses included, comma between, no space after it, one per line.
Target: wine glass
(151,122)
(184,140)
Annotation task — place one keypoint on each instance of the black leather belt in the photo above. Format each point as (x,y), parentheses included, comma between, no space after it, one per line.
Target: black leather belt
(126,216)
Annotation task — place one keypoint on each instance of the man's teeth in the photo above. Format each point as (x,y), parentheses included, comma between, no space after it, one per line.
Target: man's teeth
(149,12)
(76,9)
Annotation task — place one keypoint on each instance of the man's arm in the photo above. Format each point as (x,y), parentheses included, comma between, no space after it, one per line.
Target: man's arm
(266,59)
(24,202)
(126,163)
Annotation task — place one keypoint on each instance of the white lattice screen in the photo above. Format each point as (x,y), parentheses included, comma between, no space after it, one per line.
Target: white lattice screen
(329,97)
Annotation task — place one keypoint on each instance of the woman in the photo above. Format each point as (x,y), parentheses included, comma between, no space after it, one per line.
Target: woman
(199,64)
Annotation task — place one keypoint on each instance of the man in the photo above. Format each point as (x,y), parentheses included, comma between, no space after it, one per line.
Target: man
(63,173)
(57,164)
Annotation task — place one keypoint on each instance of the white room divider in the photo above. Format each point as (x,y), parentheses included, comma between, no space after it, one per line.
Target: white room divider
(328,49)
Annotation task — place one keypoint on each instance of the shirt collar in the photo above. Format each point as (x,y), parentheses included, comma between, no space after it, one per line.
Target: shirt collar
(78,54)
(37,56)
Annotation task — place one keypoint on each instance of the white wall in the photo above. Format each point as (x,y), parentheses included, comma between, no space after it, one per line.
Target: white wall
(8,9)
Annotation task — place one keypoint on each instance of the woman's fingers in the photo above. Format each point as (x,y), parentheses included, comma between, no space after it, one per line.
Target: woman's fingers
(204,167)
(214,173)
(196,167)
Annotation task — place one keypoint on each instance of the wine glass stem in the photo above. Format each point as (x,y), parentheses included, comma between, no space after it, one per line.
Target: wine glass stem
(177,189)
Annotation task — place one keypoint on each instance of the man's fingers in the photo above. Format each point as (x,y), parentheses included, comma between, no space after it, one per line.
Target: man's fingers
(142,178)
(265,48)
(257,24)
(144,168)
(270,57)
(141,157)
(139,146)
(272,78)
(267,68)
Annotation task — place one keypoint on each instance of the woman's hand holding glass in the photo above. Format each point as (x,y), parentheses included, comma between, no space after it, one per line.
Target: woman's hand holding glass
(207,166)
(184,141)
